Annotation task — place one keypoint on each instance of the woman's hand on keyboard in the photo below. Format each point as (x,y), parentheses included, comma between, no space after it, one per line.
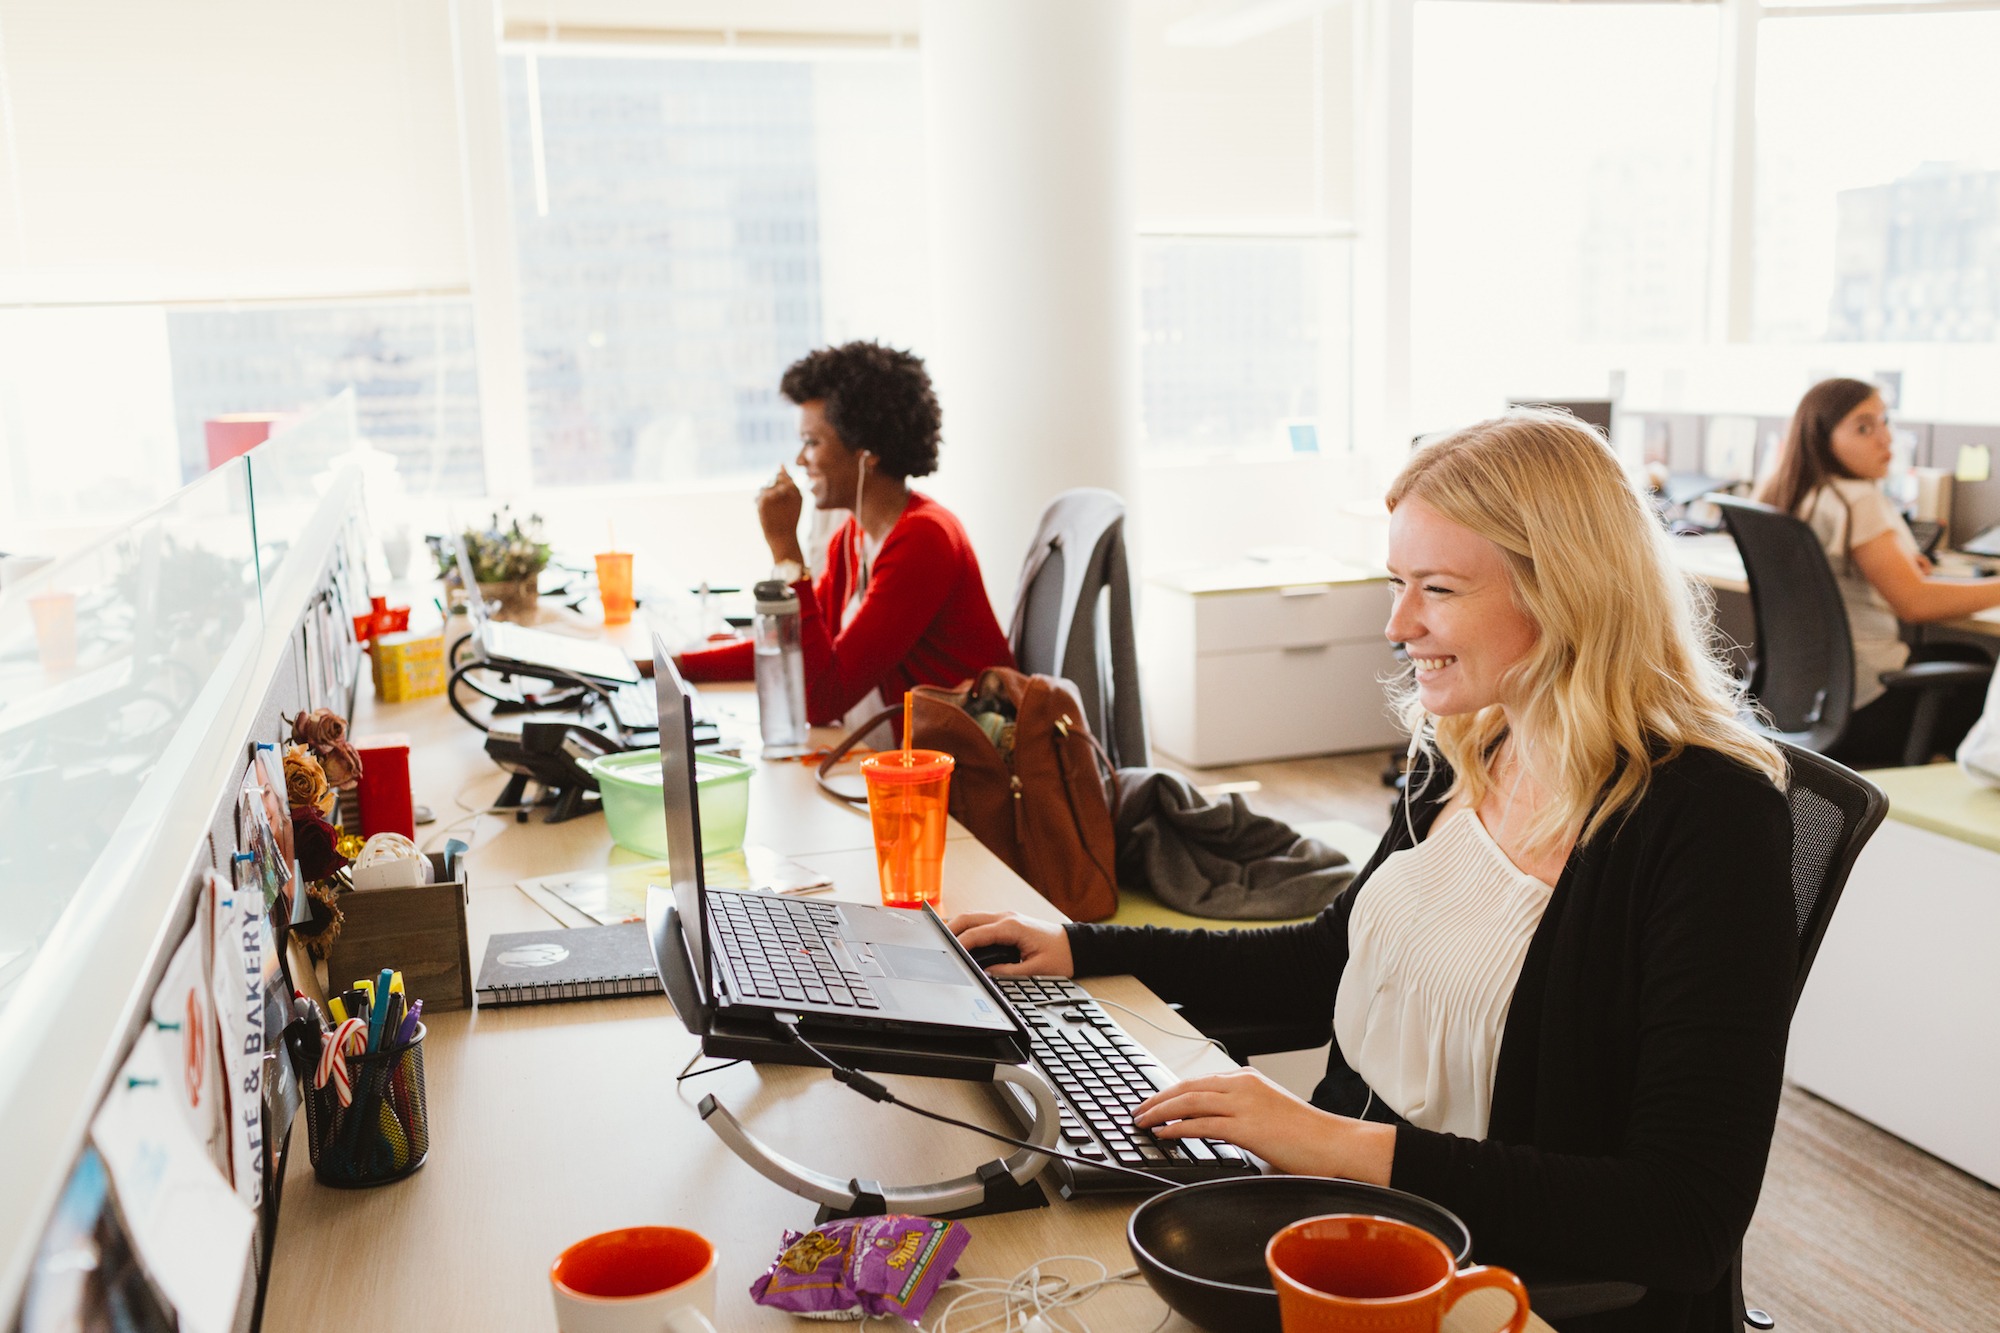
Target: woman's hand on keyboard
(1044,945)
(1246,1108)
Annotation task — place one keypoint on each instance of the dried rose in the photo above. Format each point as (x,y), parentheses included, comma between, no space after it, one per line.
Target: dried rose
(341,763)
(318,843)
(324,732)
(319,728)
(305,780)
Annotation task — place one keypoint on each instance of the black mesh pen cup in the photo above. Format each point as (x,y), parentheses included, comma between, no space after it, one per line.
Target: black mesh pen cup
(384,1133)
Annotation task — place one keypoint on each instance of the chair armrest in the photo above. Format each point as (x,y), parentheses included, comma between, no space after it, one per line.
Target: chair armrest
(1937,675)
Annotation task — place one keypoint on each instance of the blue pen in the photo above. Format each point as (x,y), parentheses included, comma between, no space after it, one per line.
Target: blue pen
(378,1011)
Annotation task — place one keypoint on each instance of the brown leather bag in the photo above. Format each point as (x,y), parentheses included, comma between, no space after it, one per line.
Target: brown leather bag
(1045,812)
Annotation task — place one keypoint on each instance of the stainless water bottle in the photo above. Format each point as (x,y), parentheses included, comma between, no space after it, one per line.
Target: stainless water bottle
(781,671)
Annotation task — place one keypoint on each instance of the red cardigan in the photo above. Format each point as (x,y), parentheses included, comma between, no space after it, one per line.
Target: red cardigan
(924,619)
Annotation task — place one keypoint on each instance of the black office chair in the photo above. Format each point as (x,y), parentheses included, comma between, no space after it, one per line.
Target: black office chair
(1834,812)
(1802,664)
(1073,617)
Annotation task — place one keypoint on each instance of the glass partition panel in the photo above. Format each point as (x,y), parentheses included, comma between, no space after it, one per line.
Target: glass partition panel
(102,658)
(291,470)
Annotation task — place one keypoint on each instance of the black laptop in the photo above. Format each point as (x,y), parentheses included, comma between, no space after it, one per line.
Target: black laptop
(887,986)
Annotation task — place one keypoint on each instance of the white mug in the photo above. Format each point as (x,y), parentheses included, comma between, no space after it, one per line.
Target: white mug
(636,1280)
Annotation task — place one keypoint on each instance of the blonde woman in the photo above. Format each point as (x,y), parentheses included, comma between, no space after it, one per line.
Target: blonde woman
(1559,991)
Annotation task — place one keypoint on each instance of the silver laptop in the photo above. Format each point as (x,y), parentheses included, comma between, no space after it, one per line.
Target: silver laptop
(883,968)
(506,645)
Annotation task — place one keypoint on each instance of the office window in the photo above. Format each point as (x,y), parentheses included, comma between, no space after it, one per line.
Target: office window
(1878,190)
(1244,346)
(1560,194)
(667,217)
(410,363)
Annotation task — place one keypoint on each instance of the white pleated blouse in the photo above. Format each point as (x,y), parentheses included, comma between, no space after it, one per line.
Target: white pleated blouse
(1435,944)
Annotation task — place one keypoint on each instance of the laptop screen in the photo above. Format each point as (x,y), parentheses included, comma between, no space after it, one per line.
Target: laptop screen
(475,603)
(677,789)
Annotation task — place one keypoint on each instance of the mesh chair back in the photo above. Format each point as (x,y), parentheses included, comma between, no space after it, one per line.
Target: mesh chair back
(1073,617)
(1802,674)
(1834,812)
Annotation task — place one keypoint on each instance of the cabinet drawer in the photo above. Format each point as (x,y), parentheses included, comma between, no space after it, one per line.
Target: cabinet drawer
(1312,613)
(1280,702)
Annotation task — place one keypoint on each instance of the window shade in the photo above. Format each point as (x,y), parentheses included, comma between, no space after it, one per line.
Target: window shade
(228,150)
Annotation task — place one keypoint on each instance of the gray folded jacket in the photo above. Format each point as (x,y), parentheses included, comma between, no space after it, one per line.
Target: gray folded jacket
(1218,858)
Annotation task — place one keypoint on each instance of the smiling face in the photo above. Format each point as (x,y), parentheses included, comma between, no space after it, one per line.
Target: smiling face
(832,468)
(1454,610)
(1862,440)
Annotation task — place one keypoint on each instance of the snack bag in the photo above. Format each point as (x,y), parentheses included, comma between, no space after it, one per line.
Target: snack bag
(856,1267)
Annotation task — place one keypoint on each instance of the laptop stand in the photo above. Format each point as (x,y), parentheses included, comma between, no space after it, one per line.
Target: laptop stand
(1000,1186)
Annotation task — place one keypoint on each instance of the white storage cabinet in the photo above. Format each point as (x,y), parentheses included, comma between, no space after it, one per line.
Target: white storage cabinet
(1257,661)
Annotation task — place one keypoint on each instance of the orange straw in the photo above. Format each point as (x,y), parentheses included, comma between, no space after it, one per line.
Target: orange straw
(909,706)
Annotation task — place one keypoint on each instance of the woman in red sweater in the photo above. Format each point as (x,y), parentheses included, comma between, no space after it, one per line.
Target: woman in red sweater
(900,601)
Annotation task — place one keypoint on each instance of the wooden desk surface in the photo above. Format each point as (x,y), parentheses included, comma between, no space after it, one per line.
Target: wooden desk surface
(551,1122)
(1714,560)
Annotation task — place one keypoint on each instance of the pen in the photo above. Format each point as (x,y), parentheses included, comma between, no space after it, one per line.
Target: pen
(338,1010)
(393,1022)
(378,1012)
(408,1032)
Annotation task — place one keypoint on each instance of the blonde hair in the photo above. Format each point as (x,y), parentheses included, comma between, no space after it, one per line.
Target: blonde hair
(1623,675)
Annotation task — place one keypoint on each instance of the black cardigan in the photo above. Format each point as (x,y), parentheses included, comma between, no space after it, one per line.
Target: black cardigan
(1643,1054)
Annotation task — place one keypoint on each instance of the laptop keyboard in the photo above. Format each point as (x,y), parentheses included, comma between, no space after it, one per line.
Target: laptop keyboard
(1101,1075)
(636,706)
(778,949)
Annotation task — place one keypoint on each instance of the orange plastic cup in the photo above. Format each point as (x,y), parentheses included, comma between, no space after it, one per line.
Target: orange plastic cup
(614,586)
(55,630)
(906,804)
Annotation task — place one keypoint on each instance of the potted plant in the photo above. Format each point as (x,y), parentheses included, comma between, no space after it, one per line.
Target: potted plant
(507,560)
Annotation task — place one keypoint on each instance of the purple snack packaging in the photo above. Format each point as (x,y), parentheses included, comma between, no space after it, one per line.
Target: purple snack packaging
(856,1267)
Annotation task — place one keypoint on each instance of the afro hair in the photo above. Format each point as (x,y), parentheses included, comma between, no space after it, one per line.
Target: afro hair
(876,398)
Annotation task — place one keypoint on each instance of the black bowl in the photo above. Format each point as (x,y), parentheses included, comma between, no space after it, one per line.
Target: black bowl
(1201,1247)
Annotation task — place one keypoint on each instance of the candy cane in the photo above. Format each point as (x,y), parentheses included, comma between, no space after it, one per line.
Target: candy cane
(350,1038)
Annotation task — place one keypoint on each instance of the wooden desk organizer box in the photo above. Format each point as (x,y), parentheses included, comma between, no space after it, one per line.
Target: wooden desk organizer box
(419,931)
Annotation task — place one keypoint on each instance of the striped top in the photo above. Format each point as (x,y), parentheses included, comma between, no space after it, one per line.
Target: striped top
(1435,944)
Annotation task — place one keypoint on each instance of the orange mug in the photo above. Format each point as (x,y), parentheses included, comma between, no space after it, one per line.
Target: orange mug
(1345,1273)
(636,1280)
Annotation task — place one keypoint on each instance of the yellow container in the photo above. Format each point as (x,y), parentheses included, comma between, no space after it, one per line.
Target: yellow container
(408,666)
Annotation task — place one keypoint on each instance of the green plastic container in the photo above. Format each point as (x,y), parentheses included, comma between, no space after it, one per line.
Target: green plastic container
(637,812)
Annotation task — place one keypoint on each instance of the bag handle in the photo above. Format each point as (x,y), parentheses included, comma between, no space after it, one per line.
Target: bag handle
(839,752)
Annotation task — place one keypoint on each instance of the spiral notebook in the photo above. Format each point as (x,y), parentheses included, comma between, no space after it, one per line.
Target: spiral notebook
(584,963)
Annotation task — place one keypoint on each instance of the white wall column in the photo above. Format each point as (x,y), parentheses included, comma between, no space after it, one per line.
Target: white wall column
(1384,75)
(1035,326)
(489,225)
(1733,197)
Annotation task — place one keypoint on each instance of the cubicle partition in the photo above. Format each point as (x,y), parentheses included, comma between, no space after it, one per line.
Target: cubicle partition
(134,674)
(1689,444)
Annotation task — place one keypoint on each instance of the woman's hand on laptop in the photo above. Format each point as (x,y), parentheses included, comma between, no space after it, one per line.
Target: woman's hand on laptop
(1044,945)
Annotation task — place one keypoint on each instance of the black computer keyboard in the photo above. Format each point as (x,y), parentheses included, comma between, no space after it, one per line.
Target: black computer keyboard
(1100,1075)
(636,706)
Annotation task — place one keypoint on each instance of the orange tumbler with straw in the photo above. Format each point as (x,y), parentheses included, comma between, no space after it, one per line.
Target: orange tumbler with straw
(614,586)
(907,795)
